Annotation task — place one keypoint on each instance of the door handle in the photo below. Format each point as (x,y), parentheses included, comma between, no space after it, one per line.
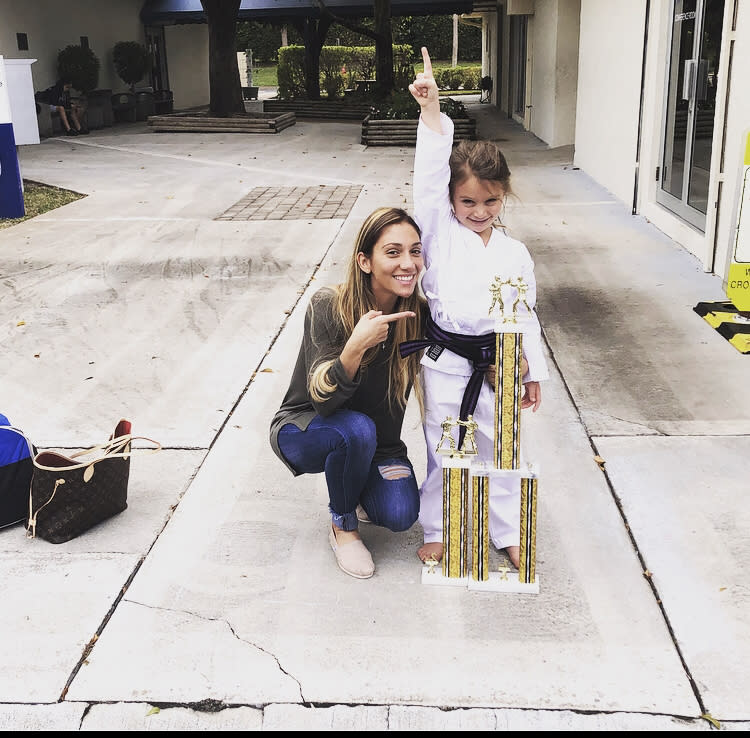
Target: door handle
(688,79)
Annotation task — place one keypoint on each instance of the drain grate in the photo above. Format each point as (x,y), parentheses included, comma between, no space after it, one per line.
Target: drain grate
(294,203)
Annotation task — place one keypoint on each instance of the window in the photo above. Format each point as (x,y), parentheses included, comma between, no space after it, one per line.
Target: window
(84,42)
(23,41)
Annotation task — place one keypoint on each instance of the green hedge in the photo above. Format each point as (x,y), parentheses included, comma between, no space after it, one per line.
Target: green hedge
(466,78)
(340,67)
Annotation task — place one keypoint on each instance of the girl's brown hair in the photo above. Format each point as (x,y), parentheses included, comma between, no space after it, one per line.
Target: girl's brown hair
(354,298)
(483,159)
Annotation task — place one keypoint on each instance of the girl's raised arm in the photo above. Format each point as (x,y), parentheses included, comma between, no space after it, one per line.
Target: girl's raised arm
(424,90)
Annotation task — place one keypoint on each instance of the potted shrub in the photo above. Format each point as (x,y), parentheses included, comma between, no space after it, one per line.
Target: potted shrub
(251,91)
(132,62)
(80,66)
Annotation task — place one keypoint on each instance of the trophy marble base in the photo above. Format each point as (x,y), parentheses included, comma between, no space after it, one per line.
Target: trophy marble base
(496,582)
(436,577)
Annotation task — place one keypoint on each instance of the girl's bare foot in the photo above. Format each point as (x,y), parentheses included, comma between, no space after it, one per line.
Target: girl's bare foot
(431,551)
(514,554)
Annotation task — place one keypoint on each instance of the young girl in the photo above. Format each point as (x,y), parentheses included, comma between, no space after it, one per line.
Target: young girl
(344,408)
(458,197)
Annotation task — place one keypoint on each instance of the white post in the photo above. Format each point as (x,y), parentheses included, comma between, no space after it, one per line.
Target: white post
(454,57)
(249,63)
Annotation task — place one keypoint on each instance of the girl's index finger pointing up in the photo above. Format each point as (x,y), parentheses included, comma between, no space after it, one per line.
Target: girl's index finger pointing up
(427,62)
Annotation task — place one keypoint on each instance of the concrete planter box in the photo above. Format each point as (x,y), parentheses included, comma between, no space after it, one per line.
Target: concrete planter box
(404,132)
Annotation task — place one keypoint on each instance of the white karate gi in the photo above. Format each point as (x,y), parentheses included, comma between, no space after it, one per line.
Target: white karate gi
(459,270)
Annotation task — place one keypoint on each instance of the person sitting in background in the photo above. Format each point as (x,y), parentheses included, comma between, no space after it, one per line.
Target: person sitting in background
(58,99)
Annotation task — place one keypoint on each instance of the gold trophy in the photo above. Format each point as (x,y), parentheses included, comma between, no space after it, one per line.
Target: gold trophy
(467,483)
(456,502)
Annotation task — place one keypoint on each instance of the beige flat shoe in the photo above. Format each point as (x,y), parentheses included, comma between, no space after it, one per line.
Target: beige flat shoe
(362,516)
(352,558)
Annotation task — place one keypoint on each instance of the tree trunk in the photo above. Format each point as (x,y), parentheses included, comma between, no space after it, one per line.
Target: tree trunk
(383,47)
(284,39)
(223,71)
(313,34)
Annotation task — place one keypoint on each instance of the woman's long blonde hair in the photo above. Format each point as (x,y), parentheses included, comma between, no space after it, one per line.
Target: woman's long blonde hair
(354,298)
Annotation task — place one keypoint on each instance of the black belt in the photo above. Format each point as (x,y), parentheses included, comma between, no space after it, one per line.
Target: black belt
(479,350)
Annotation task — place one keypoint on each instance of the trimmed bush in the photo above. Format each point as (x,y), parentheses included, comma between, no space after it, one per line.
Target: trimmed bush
(466,78)
(79,66)
(290,72)
(131,61)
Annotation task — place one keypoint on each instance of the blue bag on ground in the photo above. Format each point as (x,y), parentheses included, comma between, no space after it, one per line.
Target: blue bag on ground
(16,468)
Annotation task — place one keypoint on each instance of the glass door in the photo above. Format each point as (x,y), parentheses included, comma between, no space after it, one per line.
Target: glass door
(691,104)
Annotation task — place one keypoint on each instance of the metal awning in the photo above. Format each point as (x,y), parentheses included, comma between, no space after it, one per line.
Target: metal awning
(169,12)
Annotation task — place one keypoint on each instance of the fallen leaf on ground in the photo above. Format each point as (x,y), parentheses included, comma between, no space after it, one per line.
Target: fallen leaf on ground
(599,460)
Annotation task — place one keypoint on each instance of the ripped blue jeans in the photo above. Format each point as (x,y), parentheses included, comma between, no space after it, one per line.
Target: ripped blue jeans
(343,445)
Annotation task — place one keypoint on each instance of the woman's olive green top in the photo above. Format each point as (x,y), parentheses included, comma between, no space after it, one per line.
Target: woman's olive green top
(324,338)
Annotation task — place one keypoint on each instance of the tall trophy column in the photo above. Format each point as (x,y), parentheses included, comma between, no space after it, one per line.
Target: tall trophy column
(508,297)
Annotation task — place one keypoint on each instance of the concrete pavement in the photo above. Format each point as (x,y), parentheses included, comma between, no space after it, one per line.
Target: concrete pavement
(214,602)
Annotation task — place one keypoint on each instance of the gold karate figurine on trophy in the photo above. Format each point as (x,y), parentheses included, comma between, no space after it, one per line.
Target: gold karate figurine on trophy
(462,475)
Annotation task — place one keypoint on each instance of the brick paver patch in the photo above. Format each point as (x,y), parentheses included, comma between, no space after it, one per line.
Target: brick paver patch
(294,203)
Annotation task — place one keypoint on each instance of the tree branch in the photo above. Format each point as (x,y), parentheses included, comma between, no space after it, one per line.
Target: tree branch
(362,30)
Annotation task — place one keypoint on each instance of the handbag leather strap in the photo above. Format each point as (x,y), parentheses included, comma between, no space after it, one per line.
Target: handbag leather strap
(112,449)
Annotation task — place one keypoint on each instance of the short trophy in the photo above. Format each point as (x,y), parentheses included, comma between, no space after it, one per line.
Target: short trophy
(467,482)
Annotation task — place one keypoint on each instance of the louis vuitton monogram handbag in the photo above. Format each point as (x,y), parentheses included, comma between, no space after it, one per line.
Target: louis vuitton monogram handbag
(71,494)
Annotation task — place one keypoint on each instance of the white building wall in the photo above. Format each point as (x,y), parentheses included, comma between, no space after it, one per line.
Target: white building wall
(566,84)
(51,26)
(553,37)
(609,89)
(187,58)
(490,60)
(542,38)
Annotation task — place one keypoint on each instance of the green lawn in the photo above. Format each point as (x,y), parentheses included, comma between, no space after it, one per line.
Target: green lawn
(265,76)
(40,198)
